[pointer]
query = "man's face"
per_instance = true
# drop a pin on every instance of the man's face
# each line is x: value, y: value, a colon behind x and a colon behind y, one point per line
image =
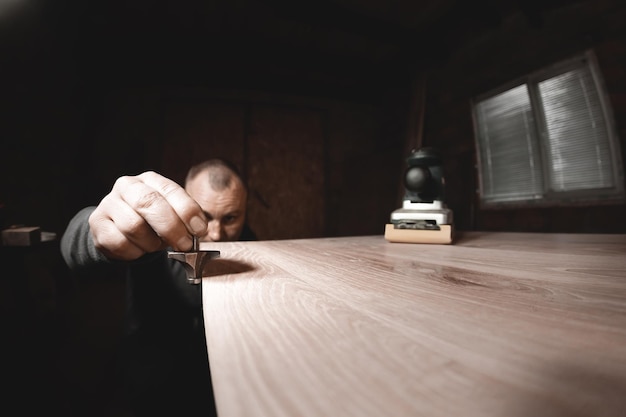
x: 225, y: 210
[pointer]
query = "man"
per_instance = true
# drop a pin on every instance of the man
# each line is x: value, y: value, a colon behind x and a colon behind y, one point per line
x: 166, y: 365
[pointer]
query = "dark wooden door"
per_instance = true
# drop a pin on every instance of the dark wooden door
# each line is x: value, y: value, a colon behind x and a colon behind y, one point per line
x: 286, y: 172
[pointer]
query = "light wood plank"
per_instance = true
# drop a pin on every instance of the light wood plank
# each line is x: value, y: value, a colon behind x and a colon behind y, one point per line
x: 496, y: 324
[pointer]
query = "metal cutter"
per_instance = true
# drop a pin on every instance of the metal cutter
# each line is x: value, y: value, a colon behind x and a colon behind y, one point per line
x: 194, y: 260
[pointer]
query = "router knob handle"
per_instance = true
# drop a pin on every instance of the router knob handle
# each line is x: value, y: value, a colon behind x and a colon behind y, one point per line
x: 416, y: 178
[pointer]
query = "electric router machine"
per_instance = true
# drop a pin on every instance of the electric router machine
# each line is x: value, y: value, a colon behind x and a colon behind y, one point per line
x: 424, y: 217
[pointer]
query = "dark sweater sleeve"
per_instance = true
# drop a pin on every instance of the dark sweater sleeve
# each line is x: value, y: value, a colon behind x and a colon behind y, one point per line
x: 77, y: 246
x: 155, y: 279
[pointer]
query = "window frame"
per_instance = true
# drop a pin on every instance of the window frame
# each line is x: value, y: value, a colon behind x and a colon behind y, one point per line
x: 551, y: 198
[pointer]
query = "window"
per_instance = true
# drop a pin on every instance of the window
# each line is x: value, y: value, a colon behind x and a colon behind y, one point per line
x: 549, y: 139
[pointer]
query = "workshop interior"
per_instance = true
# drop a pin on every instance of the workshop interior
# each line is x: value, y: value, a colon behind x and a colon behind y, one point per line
x: 346, y: 118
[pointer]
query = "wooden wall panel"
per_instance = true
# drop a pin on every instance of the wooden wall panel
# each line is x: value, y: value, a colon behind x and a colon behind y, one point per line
x: 198, y: 130
x: 286, y: 172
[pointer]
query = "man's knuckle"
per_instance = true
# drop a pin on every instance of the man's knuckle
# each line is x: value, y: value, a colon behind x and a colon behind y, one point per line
x: 133, y: 228
x: 106, y: 243
x: 117, y: 248
x: 123, y: 181
x: 147, y: 200
x: 169, y: 189
x: 148, y: 173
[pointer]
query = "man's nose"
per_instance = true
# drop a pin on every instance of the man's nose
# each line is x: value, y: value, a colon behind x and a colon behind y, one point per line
x: 216, y: 233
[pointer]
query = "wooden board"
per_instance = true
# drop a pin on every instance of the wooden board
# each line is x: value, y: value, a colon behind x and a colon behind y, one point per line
x: 498, y: 324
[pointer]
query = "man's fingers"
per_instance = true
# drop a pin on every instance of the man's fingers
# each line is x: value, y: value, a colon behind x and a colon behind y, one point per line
x: 135, y: 228
x: 145, y: 213
x: 185, y: 207
x: 109, y: 240
x: 165, y: 207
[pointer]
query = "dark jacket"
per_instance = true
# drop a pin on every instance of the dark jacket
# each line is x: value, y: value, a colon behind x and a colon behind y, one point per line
x: 165, y: 360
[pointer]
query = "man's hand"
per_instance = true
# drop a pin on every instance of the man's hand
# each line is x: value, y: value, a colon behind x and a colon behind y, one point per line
x: 145, y: 213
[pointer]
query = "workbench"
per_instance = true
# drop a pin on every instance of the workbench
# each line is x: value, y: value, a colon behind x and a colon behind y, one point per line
x: 497, y: 324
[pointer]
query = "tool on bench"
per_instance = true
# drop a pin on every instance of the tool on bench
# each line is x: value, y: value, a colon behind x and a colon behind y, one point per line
x: 424, y: 217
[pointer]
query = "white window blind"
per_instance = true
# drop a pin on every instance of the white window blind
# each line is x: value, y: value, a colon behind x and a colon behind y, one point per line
x: 578, y: 142
x: 548, y: 139
x: 510, y: 150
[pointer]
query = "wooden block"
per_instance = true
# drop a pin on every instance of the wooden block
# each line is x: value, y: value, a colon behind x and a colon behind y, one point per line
x: 21, y: 236
x: 442, y: 236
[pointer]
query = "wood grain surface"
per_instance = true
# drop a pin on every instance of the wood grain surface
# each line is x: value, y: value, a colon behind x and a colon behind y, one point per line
x: 498, y: 324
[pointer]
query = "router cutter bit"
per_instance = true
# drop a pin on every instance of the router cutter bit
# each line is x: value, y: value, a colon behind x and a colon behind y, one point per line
x: 194, y: 260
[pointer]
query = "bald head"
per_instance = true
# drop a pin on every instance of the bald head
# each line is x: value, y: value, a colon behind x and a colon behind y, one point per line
x: 219, y: 173
x: 219, y: 190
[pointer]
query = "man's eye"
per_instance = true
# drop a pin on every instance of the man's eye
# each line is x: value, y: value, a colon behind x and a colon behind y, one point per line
x: 228, y: 219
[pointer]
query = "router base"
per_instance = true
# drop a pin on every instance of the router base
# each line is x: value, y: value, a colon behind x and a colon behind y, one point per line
x: 443, y: 236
